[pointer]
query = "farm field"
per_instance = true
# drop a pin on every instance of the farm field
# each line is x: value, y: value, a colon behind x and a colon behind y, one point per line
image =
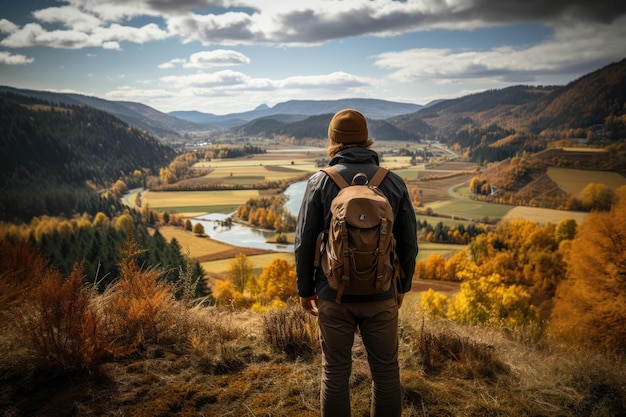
x: 186, y: 202
x: 575, y: 180
x: 543, y: 215
x: 471, y: 209
x: 426, y: 249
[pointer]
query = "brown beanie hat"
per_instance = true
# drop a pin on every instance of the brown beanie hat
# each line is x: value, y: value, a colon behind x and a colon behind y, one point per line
x: 348, y: 126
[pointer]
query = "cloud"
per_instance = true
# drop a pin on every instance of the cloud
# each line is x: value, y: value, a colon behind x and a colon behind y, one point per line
x: 209, y: 59
x: 143, y: 34
x: 230, y: 28
x: 572, y: 49
x: 219, y: 78
x: 69, y: 17
x: 228, y: 79
x: 336, y: 81
x: 172, y: 63
x: 7, y: 58
x: 135, y: 94
x: 294, y: 23
x: 216, y: 58
x: 33, y: 34
x: 285, y: 22
x: 7, y: 26
x: 116, y: 10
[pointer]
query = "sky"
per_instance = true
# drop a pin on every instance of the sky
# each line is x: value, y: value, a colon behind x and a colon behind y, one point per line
x: 230, y: 56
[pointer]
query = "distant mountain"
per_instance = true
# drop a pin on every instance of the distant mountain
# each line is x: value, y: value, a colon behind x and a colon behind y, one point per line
x: 139, y: 115
x: 316, y: 127
x: 371, y: 108
x: 581, y: 104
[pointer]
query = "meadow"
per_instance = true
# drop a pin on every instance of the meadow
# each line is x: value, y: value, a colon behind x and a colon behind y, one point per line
x: 574, y: 181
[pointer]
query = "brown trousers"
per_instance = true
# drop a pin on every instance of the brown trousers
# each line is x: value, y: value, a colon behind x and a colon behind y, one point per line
x: 378, y: 324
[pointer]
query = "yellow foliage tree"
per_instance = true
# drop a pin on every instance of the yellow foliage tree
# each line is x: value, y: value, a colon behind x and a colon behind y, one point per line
x: 277, y: 281
x: 240, y: 272
x: 596, y: 197
x: 434, y: 304
x: 589, y: 304
x: 487, y: 300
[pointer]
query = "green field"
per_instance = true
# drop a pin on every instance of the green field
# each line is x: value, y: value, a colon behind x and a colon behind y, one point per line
x: 445, y: 250
x: 446, y: 221
x: 471, y: 209
x: 574, y: 181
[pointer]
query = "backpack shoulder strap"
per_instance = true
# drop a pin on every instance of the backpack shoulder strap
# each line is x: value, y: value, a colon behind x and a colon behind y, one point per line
x: 336, y: 177
x: 379, y: 176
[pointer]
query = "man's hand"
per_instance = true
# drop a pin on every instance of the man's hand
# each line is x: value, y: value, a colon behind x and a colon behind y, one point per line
x: 309, y: 304
x: 399, y: 298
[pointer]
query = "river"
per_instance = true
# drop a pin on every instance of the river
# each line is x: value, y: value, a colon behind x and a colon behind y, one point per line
x: 252, y: 237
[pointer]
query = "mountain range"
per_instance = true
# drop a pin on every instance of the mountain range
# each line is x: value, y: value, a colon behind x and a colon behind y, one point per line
x: 592, y: 100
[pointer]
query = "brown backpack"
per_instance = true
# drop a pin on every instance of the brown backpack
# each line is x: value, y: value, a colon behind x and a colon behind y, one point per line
x: 357, y: 253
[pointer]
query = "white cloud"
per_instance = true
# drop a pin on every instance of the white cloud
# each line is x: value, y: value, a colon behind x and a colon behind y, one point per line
x: 70, y: 17
x: 7, y: 58
x: 228, y: 79
x: 216, y: 58
x: 172, y: 63
x: 135, y: 94
x: 143, y: 34
x: 33, y: 34
x: 227, y: 29
x: 335, y: 80
x: 7, y: 26
x: 574, y: 48
x: 219, y: 78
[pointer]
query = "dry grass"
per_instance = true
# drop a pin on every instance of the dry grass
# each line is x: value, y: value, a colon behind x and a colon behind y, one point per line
x: 173, y: 360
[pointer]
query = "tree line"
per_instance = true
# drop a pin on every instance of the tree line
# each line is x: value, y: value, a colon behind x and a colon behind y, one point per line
x: 96, y: 241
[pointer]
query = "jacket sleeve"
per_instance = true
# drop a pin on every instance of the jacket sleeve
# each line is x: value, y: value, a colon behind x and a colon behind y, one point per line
x: 405, y: 232
x: 310, y: 224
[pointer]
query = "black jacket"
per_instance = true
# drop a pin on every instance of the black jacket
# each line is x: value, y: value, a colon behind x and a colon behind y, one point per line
x: 314, y: 217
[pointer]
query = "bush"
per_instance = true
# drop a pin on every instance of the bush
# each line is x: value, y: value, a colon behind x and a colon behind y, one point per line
x: 443, y: 352
x: 62, y: 326
x: 292, y: 332
x: 138, y: 307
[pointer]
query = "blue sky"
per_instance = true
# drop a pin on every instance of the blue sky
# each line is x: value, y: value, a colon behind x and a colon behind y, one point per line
x: 228, y: 56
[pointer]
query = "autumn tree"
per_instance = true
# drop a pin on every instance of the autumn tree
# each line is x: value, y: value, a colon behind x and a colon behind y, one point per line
x: 596, y: 197
x: 278, y: 281
x: 589, y: 303
x: 198, y: 229
x: 565, y: 230
x: 240, y: 272
x: 482, y: 300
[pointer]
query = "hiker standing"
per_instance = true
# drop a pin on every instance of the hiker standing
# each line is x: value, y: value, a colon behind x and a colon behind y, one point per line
x: 374, y: 315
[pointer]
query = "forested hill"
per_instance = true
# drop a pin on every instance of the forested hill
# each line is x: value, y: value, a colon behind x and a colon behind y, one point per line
x: 596, y: 100
x: 317, y: 127
x: 46, y: 149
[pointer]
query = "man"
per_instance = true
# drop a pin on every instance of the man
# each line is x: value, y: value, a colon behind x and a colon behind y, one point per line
x: 375, y: 316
